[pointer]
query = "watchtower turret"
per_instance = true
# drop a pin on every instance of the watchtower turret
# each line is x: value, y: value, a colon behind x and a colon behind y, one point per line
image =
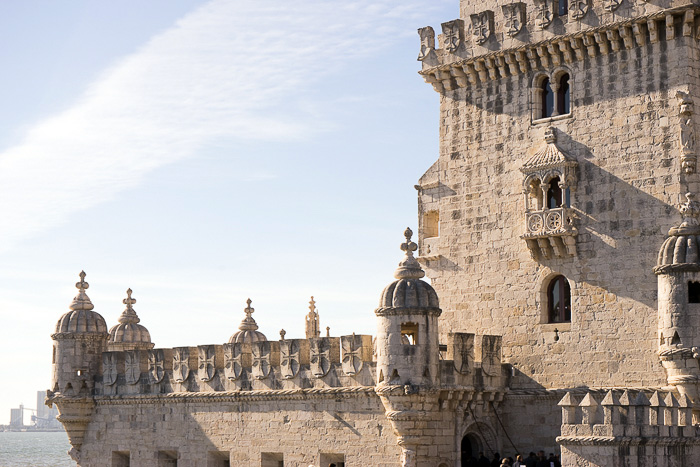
x: 407, y: 326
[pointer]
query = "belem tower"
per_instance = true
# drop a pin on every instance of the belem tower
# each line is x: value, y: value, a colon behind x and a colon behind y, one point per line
x: 560, y: 232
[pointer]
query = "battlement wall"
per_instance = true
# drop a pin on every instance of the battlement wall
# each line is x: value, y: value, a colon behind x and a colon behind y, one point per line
x: 317, y: 363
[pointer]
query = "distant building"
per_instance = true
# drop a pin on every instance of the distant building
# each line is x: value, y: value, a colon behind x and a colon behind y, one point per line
x: 17, y: 416
x: 45, y: 418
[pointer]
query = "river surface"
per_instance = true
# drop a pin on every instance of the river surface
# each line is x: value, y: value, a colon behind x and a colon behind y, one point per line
x: 34, y: 449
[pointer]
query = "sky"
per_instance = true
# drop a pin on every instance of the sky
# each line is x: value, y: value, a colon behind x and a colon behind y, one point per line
x: 202, y: 153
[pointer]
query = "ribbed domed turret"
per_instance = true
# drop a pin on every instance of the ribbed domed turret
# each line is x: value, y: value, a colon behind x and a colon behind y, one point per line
x: 248, y: 329
x: 129, y: 334
x: 681, y: 250
x: 409, y: 291
x: 81, y: 318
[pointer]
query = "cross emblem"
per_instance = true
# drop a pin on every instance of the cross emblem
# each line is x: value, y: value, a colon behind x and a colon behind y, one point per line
x: 82, y: 285
x: 128, y: 301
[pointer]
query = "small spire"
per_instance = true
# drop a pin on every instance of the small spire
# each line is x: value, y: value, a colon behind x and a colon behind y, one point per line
x: 690, y: 210
x: 248, y: 323
x: 409, y: 268
x: 282, y: 334
x: 81, y: 301
x: 328, y: 331
x: 312, y: 322
x: 129, y: 316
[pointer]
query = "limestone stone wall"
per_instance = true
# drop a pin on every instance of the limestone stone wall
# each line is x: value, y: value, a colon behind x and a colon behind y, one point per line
x: 623, y: 132
x: 198, y: 433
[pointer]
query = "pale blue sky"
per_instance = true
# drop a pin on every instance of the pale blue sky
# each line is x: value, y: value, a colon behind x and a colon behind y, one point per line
x: 202, y: 153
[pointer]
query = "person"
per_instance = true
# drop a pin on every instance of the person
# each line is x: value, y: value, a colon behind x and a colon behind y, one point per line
x: 531, y: 460
x: 496, y: 461
x: 505, y: 462
x: 553, y: 460
x: 541, y: 460
x: 483, y: 461
x: 519, y: 462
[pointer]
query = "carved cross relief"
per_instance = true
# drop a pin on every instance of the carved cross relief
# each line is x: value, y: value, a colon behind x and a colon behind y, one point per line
x: 207, y: 362
x: 156, y: 365
x: 578, y: 9
x: 289, y: 358
x: 181, y: 364
x: 261, y: 360
x: 233, y: 365
x: 611, y: 5
x: 453, y: 33
x: 132, y: 366
x: 514, y: 14
x: 464, y: 353
x: 544, y: 14
x: 352, y: 354
x: 109, y: 368
x: 320, y: 352
x: 482, y: 25
x: 491, y: 355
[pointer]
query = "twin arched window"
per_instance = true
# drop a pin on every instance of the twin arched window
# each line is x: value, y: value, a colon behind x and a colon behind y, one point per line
x: 554, y: 96
x: 559, y: 300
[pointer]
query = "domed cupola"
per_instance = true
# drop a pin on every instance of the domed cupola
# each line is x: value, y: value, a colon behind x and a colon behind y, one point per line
x: 407, y: 326
x: 248, y: 329
x: 129, y: 334
x: 81, y: 319
x: 681, y: 250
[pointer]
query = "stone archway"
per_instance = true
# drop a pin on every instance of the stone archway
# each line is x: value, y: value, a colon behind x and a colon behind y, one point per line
x: 470, y: 447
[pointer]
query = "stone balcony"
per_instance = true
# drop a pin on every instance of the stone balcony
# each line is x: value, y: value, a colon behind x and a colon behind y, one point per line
x: 550, y: 233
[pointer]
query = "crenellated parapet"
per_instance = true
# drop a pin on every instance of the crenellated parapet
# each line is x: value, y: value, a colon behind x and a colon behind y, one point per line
x: 518, y: 38
x: 623, y: 426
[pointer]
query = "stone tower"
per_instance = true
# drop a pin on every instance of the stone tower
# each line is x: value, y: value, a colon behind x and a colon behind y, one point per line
x: 79, y: 340
x: 129, y: 334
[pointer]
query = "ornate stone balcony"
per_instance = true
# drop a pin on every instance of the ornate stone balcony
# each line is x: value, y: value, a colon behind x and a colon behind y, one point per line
x: 550, y: 233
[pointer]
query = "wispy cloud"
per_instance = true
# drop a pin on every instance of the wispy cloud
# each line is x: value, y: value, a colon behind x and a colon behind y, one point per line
x: 237, y: 69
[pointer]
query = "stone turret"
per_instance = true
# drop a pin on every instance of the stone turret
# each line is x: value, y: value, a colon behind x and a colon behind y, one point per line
x: 79, y: 340
x: 678, y: 271
x: 129, y: 334
x: 248, y: 329
x: 407, y: 355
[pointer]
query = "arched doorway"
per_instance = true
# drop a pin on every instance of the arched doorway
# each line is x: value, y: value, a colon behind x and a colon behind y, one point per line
x: 470, y: 448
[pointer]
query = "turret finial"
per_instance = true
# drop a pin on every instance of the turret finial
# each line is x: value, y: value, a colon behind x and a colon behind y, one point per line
x: 248, y: 323
x: 81, y: 301
x: 129, y: 316
x: 409, y: 268
x: 312, y: 322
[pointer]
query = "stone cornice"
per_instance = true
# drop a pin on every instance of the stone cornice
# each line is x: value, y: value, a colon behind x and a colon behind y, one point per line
x: 237, y: 396
x: 560, y: 50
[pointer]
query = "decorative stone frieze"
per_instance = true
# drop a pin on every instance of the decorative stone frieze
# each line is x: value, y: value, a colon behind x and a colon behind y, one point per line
x: 514, y: 15
x: 132, y: 366
x: 491, y: 355
x: 320, y: 356
x: 611, y: 5
x: 544, y: 15
x: 578, y: 9
x: 109, y: 368
x: 156, y: 365
x: 181, y: 364
x: 233, y: 360
x: 482, y: 26
x: 290, y: 358
x: 262, y: 363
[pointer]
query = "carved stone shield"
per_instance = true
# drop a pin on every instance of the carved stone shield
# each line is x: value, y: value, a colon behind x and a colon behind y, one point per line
x: 109, y: 368
x: 320, y: 353
x: 463, y: 353
x: 453, y: 33
x: 132, y: 366
x: 578, y: 8
x: 544, y: 15
x: 181, y: 364
x: 482, y: 25
x: 261, y: 360
x: 207, y: 361
x: 351, y: 358
x: 427, y: 42
x: 156, y: 365
x: 491, y: 355
x: 611, y: 5
x: 514, y: 14
x: 289, y: 358
x: 233, y: 366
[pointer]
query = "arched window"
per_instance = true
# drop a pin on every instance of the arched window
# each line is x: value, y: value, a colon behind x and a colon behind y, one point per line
x: 554, y: 198
x: 559, y: 300
x: 547, y: 96
x: 563, y: 95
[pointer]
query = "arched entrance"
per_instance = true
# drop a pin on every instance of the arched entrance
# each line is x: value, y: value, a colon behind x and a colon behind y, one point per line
x: 470, y: 448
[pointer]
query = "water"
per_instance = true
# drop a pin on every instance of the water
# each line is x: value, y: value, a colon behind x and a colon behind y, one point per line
x: 34, y: 449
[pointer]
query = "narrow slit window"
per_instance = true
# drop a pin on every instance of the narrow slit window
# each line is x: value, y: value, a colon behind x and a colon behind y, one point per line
x: 563, y: 95
x: 409, y: 333
x: 547, y: 98
x: 559, y: 300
